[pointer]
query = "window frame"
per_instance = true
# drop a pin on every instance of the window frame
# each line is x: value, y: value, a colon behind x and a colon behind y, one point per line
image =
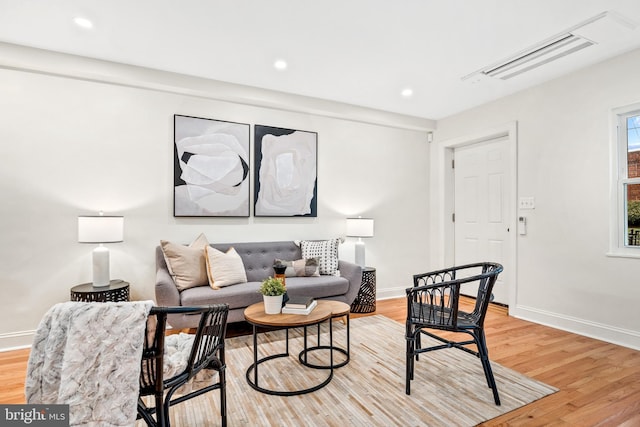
x: 618, y: 245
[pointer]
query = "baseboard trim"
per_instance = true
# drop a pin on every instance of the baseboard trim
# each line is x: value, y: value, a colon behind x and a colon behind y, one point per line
x: 16, y: 340
x: 391, y: 293
x: 612, y: 334
x: 600, y: 331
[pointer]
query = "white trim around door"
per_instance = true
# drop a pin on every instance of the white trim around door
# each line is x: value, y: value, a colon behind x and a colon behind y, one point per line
x: 442, y: 198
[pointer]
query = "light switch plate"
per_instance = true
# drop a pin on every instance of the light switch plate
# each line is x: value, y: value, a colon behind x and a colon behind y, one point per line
x: 527, y: 203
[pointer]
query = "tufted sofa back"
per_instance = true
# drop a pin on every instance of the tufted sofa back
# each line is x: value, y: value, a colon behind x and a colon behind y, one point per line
x: 258, y: 257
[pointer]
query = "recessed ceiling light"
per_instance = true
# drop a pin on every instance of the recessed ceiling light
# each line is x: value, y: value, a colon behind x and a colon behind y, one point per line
x: 280, y: 64
x: 83, y: 22
x: 407, y: 93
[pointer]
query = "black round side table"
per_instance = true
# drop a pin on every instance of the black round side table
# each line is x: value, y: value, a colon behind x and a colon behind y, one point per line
x: 365, y: 302
x: 118, y: 290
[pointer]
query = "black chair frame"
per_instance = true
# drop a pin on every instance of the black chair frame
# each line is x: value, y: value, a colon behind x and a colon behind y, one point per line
x: 207, y: 353
x: 432, y: 303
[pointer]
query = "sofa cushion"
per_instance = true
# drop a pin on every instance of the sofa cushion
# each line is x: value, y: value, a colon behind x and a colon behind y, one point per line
x: 325, y: 250
x: 317, y: 287
x: 305, y: 267
x: 224, y: 269
x: 237, y: 296
x: 186, y: 264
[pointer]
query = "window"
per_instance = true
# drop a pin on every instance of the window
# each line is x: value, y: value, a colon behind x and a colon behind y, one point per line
x: 633, y: 180
x: 625, y: 233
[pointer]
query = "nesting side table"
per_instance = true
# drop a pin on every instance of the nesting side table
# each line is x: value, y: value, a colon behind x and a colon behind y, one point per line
x: 117, y: 291
x: 365, y: 302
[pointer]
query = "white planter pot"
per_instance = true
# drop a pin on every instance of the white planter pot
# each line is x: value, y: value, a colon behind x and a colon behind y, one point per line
x: 272, y: 305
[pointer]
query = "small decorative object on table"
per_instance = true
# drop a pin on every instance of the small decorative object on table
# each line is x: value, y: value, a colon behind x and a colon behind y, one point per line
x: 299, y: 302
x: 299, y: 305
x: 280, y: 270
x: 279, y: 273
x: 272, y: 291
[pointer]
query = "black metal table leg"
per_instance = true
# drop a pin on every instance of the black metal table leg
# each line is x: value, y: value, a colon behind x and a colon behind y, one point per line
x: 256, y: 363
x: 347, y: 352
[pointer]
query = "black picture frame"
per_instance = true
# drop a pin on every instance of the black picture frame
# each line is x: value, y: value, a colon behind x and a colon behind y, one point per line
x: 286, y: 172
x: 211, y: 168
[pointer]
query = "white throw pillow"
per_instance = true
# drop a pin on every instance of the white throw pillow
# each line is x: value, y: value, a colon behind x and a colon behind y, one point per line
x: 186, y: 264
x: 224, y: 269
x: 326, y: 251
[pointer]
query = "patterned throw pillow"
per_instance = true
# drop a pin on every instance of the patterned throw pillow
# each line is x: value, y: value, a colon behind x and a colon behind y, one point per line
x: 326, y: 251
x: 301, y: 268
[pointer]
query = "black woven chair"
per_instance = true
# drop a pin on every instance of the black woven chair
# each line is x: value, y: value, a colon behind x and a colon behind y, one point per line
x: 207, y: 352
x: 432, y: 303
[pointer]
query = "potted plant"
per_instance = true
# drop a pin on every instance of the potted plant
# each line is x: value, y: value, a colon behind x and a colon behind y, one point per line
x: 272, y: 290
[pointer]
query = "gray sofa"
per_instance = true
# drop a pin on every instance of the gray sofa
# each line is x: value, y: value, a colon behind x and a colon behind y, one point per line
x: 258, y: 259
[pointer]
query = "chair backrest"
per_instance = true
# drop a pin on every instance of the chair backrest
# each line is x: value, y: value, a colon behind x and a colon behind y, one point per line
x: 487, y: 279
x: 447, y: 294
x: 209, y: 338
x: 208, y: 341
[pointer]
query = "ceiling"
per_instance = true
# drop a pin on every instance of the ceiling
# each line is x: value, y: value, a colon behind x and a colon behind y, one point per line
x: 361, y: 52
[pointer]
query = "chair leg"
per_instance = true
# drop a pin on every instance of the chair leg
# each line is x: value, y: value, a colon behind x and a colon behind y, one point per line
x: 486, y: 364
x: 223, y: 396
x: 167, y: 406
x: 484, y: 357
x: 410, y: 362
x: 161, y: 420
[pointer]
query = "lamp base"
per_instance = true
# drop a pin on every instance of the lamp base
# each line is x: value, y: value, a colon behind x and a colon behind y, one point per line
x: 360, y: 253
x: 101, y: 267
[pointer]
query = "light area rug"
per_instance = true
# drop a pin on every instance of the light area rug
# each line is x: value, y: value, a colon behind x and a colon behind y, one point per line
x: 449, y: 388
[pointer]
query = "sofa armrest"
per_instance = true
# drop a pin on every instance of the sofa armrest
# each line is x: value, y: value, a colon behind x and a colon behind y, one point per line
x: 353, y: 273
x: 167, y: 294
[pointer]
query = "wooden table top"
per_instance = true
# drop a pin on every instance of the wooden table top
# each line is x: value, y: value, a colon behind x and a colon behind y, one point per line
x: 255, y: 315
x: 337, y: 308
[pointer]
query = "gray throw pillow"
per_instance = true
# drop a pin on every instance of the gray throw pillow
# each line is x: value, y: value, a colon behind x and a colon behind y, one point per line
x: 305, y: 267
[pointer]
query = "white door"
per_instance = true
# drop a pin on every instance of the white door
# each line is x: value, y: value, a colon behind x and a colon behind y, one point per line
x: 481, y: 225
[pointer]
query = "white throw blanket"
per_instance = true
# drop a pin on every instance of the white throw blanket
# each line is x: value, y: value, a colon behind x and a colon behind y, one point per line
x: 88, y: 355
x: 177, y: 350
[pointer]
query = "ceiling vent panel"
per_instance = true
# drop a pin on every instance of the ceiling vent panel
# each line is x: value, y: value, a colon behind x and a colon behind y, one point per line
x: 602, y: 28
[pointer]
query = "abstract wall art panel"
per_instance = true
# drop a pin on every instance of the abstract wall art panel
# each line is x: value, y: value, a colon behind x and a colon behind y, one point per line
x: 211, y: 168
x: 285, y: 172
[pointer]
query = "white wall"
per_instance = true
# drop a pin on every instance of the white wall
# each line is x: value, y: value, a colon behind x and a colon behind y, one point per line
x: 73, y: 145
x: 564, y: 277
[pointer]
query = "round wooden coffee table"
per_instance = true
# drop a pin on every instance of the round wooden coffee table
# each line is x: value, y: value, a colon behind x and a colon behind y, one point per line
x: 255, y: 315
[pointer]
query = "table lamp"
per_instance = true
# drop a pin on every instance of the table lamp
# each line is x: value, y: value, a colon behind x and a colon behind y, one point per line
x: 360, y: 227
x: 100, y: 229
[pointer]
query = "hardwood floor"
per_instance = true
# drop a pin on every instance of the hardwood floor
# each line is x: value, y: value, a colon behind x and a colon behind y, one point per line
x: 599, y: 382
x: 13, y: 369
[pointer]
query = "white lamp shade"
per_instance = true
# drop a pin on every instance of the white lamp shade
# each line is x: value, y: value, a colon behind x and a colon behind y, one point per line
x: 100, y: 229
x: 360, y: 227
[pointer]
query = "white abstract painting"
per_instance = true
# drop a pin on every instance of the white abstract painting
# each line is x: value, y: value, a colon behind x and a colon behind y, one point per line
x: 211, y: 167
x: 286, y: 172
